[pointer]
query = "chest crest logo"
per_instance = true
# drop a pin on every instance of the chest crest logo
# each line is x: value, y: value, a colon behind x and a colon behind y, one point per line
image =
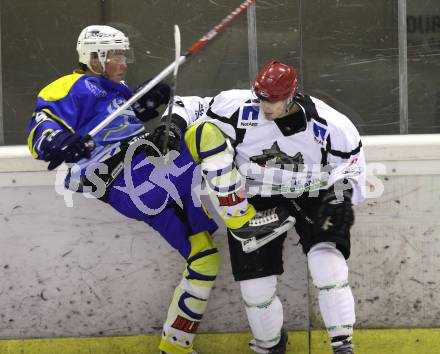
x: 274, y: 157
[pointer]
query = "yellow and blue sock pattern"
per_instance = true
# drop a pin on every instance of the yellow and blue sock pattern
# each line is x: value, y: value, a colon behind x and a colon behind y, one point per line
x: 191, y: 295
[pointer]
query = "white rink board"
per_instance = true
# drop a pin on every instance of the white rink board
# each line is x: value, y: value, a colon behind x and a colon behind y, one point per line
x: 86, y: 270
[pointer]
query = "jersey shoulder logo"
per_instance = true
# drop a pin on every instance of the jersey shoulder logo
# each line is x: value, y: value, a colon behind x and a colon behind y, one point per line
x: 248, y: 116
x: 199, y: 111
x: 320, y: 132
x: 40, y: 116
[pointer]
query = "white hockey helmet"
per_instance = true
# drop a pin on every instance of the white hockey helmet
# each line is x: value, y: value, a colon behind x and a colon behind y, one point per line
x: 101, y: 39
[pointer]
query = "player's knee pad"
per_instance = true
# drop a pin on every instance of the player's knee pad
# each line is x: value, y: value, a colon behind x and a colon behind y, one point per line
x: 327, y: 264
x: 259, y: 290
x: 203, y: 265
x: 329, y: 273
x: 204, y: 139
x: 263, y: 308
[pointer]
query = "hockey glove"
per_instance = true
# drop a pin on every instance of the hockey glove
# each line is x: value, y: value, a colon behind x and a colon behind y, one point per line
x: 335, y: 214
x: 63, y: 146
x: 157, y: 136
x: 145, y: 107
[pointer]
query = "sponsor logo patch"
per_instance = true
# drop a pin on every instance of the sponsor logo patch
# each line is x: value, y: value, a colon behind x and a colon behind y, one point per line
x: 231, y: 199
x: 185, y: 325
x: 248, y: 116
x: 95, y: 89
x: 98, y: 34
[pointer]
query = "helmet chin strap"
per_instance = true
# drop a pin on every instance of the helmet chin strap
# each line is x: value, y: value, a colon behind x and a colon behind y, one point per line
x: 95, y: 72
x: 289, y: 104
x: 102, y: 73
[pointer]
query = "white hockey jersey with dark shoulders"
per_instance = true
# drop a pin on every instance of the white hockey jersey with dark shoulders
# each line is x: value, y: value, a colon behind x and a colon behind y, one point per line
x: 292, y: 155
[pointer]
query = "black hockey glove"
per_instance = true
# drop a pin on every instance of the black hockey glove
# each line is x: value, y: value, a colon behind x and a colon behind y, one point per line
x: 157, y: 136
x: 335, y: 213
x: 63, y: 146
x: 145, y: 107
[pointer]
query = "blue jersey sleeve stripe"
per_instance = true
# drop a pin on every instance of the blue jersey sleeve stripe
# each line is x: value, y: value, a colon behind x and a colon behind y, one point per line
x: 58, y: 119
x: 38, y: 130
x: 35, y: 147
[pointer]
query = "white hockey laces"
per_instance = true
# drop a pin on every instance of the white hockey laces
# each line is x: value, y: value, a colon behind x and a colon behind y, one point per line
x: 264, y: 217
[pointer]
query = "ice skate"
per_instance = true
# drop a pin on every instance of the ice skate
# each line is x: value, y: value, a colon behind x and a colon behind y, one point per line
x: 280, y: 348
x: 343, y: 347
x: 265, y: 226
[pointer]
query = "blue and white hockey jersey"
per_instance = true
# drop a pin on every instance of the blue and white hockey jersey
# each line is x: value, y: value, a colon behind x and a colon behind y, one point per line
x: 79, y: 102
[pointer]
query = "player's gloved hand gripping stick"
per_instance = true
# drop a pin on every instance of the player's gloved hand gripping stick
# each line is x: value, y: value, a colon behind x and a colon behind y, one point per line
x: 164, y: 73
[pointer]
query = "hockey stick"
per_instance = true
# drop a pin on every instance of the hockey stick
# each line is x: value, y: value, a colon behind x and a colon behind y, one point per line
x: 173, y: 87
x: 165, y: 72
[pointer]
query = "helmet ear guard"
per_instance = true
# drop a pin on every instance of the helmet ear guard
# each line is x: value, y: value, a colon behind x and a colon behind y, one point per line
x: 276, y: 82
x: 98, y: 41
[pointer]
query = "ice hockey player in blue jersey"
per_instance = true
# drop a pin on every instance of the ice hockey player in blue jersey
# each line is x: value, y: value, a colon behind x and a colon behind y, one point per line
x: 295, y: 152
x: 68, y: 108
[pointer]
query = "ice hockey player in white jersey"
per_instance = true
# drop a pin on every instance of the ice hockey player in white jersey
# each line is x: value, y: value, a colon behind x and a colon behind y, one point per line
x: 298, y: 154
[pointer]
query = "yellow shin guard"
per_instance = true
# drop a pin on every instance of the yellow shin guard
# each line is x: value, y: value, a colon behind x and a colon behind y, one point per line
x: 191, y: 296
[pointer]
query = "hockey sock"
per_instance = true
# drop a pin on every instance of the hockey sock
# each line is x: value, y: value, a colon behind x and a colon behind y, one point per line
x: 329, y: 272
x: 191, y: 296
x: 264, y: 310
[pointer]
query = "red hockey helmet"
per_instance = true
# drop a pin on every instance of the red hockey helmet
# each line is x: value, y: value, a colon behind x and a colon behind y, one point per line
x: 276, y: 82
